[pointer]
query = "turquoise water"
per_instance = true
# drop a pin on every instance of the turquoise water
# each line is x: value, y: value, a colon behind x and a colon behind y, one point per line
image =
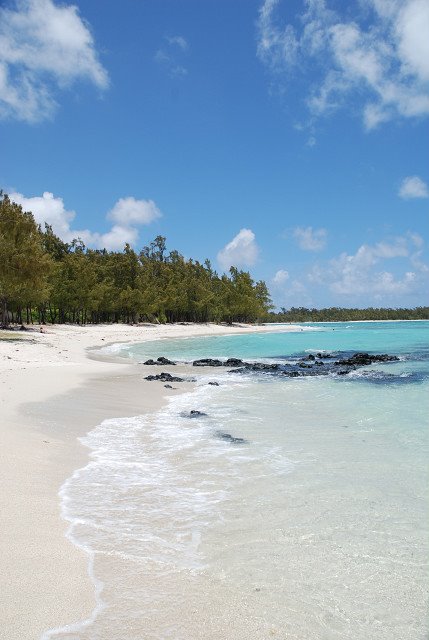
x: 296, y: 508
x: 376, y: 337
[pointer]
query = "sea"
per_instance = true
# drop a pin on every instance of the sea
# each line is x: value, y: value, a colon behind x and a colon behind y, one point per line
x: 296, y: 508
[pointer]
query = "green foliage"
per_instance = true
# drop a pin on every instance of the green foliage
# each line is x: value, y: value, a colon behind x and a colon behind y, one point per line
x: 24, y: 263
x: 70, y: 283
x: 339, y: 314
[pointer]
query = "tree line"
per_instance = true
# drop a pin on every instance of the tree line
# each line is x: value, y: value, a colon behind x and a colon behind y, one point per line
x: 340, y: 314
x: 45, y: 279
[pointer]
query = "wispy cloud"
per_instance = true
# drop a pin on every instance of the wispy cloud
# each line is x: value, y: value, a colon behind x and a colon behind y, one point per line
x: 365, y: 273
x: 413, y: 187
x: 242, y: 251
x: 44, y: 48
x: 310, y: 239
x: 128, y: 214
x: 379, y: 59
x: 170, y: 55
x: 178, y: 41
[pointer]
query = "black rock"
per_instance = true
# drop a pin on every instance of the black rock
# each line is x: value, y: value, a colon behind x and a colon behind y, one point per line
x: 207, y: 362
x: 168, y: 386
x: 233, y: 362
x: 163, y: 360
x: 227, y: 437
x: 304, y: 366
x: 310, y: 357
x: 164, y: 377
x: 214, y: 384
x: 160, y: 360
x: 196, y: 414
x: 262, y: 366
x: 363, y: 359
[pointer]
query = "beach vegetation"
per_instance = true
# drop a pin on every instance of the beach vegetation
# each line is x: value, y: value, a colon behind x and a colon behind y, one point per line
x: 44, y: 279
x: 343, y: 314
x: 24, y: 264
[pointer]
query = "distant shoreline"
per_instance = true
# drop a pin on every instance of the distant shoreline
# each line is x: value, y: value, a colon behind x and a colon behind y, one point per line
x: 343, y: 321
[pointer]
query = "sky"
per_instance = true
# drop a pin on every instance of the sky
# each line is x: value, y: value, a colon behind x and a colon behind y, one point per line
x: 287, y: 137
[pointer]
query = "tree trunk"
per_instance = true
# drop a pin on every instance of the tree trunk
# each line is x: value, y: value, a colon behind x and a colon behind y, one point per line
x: 5, y: 316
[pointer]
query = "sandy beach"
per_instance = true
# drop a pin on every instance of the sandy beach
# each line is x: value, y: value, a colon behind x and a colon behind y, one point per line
x: 54, y: 390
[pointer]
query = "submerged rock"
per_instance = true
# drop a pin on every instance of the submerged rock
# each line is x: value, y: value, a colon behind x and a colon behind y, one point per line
x: 207, y: 362
x: 227, y: 437
x: 363, y: 359
x: 214, y: 384
x: 262, y: 366
x: 194, y: 414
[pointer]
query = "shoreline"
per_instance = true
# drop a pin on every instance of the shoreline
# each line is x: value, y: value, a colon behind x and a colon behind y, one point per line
x: 45, y: 582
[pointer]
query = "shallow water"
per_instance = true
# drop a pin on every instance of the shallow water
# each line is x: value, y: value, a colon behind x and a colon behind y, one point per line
x: 296, y: 508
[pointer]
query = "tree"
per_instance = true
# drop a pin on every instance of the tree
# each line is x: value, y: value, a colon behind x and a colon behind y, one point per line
x: 24, y: 264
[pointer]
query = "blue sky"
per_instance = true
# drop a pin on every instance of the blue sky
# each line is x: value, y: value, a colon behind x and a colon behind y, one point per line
x: 287, y: 137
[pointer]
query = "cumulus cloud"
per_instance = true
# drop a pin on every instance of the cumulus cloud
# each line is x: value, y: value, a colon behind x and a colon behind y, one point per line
x: 242, y: 251
x: 413, y: 187
x: 127, y: 214
x: 310, y: 239
x: 364, y: 274
x: 44, y: 47
x: 128, y: 211
x: 170, y: 55
x: 280, y: 277
x: 379, y: 59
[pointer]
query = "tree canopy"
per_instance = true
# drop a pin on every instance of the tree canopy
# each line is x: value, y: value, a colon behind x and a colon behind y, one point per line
x: 42, y: 276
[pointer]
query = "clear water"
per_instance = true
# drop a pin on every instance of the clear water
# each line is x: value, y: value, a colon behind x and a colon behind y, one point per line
x: 314, y: 526
x: 376, y: 337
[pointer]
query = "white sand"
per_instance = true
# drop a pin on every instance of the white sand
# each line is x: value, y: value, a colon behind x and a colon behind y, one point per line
x: 51, y: 393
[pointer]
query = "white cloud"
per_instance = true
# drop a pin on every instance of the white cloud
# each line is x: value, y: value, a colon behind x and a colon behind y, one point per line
x: 413, y: 187
x: 43, y: 48
x: 128, y: 214
x: 310, y: 239
x: 115, y: 239
x: 379, y: 59
x: 294, y: 293
x: 363, y: 273
x: 242, y: 251
x: 280, y: 277
x: 128, y: 211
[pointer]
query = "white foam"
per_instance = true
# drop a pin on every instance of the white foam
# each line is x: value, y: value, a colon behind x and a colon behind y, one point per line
x: 152, y: 486
x: 115, y: 348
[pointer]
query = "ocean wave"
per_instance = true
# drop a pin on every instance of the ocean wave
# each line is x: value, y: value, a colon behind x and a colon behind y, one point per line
x: 116, y: 348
